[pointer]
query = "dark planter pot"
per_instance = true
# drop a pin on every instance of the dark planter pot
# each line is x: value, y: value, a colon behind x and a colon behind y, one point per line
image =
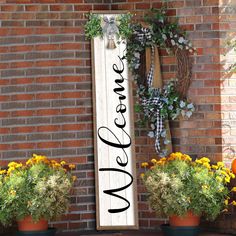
x: 49, y: 232
x: 180, y: 230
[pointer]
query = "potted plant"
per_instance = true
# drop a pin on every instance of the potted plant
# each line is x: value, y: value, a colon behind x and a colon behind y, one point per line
x: 183, y: 189
x: 33, y: 193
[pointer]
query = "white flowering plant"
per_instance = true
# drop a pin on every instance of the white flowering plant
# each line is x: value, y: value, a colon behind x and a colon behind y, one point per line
x: 39, y: 188
x: 176, y: 185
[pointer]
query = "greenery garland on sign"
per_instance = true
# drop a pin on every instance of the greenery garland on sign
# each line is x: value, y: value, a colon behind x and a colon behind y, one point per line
x: 93, y: 27
x: 170, y: 101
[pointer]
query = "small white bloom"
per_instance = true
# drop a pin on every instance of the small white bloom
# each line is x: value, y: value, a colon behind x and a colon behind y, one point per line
x: 164, y: 36
x: 172, y: 42
x: 182, y: 104
x: 188, y: 114
x: 151, y: 134
x: 163, y: 134
x: 170, y: 107
x: 190, y: 106
x: 137, y: 55
x: 166, y: 141
x: 181, y: 40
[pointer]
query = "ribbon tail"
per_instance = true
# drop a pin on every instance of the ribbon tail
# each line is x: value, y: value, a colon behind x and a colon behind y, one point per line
x: 159, y: 128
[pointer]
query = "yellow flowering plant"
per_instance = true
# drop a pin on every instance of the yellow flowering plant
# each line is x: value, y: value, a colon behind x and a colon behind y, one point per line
x: 177, y: 184
x: 40, y: 188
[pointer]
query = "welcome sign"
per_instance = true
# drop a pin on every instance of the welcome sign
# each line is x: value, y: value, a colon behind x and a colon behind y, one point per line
x: 116, y: 205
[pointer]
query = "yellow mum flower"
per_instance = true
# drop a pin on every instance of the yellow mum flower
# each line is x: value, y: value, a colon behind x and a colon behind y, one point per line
x: 144, y: 164
x: 63, y: 163
x: 220, y: 164
x: 205, y: 159
x: 142, y: 175
x: 10, y: 170
x: 233, y: 203
x: 2, y: 172
x: 227, y: 179
x: 233, y: 189
x: 224, y: 173
x: 154, y: 161
x: 198, y: 161
x: 74, y: 178
x: 56, y: 165
x: 226, y: 202
x: 232, y: 175
x: 207, y: 165
x: 12, y: 164
x: 187, y: 157
x: 215, y: 167
x: 72, y: 166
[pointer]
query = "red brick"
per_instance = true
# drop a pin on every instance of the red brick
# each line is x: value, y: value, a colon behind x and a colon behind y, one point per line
x: 48, y: 112
x: 74, y: 143
x: 23, y: 145
x: 52, y: 79
x: 23, y: 129
x: 48, y: 128
x: 23, y: 113
x: 47, y: 96
x: 142, y: 5
x: 47, y: 47
x: 48, y: 145
x: 51, y: 63
x: 21, y: 48
x: 20, y: 97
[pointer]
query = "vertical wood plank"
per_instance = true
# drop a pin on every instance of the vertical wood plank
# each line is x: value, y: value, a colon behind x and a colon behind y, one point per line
x: 113, y: 131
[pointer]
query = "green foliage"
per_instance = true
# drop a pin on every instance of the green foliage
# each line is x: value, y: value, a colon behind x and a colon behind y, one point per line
x: 177, y: 184
x: 125, y: 31
x: 93, y: 26
x: 40, y: 188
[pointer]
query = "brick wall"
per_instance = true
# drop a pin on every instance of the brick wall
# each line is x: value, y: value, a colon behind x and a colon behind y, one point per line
x: 45, y: 89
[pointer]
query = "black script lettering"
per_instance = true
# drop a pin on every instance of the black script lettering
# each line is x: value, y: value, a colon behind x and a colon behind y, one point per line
x: 118, y: 81
x: 121, y: 110
x: 112, y: 192
x: 116, y: 145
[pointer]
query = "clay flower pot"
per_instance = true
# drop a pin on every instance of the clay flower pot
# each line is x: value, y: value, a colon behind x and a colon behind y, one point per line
x: 188, y: 220
x: 27, y: 224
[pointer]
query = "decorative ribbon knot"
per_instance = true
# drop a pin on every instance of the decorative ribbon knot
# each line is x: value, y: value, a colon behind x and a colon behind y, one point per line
x: 110, y: 29
x: 143, y: 35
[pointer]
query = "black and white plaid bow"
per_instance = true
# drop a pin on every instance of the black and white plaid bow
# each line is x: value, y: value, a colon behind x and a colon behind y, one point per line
x: 152, y: 105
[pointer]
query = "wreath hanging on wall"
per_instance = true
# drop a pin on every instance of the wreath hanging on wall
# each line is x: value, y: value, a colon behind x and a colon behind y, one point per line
x: 157, y: 104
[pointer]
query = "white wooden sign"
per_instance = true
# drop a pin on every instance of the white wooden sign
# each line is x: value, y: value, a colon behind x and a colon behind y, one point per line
x: 116, y: 204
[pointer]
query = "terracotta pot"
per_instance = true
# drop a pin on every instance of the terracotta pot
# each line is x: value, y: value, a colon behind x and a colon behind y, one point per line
x: 27, y: 224
x: 188, y: 220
